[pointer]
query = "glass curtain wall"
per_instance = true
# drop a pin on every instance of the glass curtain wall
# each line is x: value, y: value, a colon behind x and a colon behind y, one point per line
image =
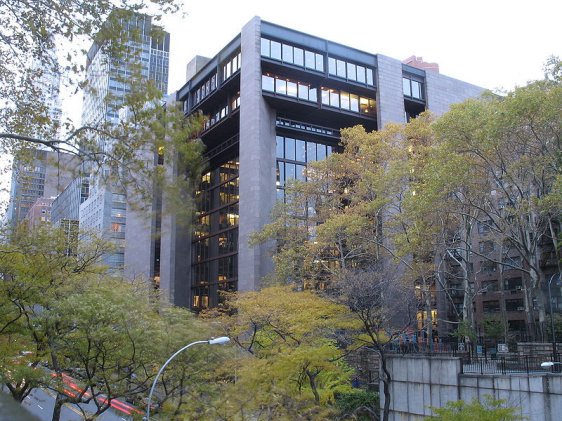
x: 215, y: 245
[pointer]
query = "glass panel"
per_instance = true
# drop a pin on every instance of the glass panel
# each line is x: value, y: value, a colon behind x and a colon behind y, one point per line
x: 320, y: 62
x: 290, y: 171
x: 406, y: 87
x: 287, y: 53
x: 328, y: 150
x: 309, y: 60
x: 416, y: 89
x: 370, y: 77
x: 310, y: 151
x: 332, y: 66
x: 321, y: 152
x: 301, y: 172
x: 280, y: 195
x: 344, y: 100
x: 325, y: 96
x: 291, y: 88
x: 364, y: 105
x: 281, y: 173
x: 301, y: 151
x: 267, y: 83
x: 298, y: 58
x: 279, y: 146
x: 334, y: 98
x: 265, y: 47
x: 275, y: 50
x: 281, y: 86
x: 360, y: 74
x: 351, y: 71
x: 372, y: 105
x: 312, y: 96
x: 289, y: 148
x: 303, y: 91
x: 354, y: 103
x: 340, y: 65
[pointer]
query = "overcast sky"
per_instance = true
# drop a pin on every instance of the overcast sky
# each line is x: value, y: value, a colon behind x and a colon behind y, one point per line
x: 493, y: 43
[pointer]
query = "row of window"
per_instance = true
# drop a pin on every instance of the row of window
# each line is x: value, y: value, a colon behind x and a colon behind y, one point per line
x: 292, y: 55
x: 510, y: 305
x: 287, y: 87
x: 283, y: 122
x: 227, y: 192
x: 350, y: 71
x: 227, y: 268
x: 509, y: 263
x: 299, y: 150
x: 331, y: 97
x: 412, y: 88
x: 232, y: 66
x: 205, y: 89
x: 347, y: 101
x: 222, y: 112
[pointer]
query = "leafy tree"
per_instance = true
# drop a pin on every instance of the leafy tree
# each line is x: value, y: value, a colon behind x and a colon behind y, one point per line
x: 490, y: 410
x: 62, y: 319
x: 290, y: 365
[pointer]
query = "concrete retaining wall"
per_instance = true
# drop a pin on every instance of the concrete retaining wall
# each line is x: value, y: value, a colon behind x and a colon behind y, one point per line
x: 421, y: 382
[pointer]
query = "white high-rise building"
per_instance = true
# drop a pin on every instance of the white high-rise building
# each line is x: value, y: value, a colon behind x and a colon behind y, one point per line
x: 104, y: 212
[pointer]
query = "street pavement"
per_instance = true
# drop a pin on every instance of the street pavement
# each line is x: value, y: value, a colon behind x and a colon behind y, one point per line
x: 41, y: 404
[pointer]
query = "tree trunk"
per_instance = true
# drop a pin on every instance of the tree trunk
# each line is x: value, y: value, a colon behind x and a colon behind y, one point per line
x: 58, y: 407
x: 312, y: 381
x: 386, y: 379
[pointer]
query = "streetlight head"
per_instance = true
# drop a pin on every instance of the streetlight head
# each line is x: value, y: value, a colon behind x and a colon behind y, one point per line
x: 547, y: 364
x: 219, y: 340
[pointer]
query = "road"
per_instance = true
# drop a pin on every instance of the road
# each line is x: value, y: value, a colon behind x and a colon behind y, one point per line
x: 41, y: 403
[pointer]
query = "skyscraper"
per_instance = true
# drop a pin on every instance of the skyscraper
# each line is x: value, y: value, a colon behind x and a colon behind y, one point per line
x: 105, y: 210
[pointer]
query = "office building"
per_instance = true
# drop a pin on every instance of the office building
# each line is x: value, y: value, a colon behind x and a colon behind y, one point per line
x: 43, y: 174
x: 104, y: 211
x: 276, y: 100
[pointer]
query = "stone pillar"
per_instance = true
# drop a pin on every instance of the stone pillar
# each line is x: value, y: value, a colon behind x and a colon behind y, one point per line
x: 390, y: 97
x: 257, y: 161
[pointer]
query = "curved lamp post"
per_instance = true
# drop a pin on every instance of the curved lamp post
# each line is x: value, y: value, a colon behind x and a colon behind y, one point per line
x: 220, y: 340
x: 554, y: 351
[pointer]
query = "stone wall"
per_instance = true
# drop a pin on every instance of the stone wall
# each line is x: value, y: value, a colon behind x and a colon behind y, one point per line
x: 421, y: 382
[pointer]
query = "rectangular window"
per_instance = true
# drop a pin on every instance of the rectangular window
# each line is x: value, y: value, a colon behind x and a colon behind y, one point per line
x: 289, y: 148
x: 351, y: 71
x: 298, y: 58
x: 360, y: 74
x: 325, y: 96
x: 334, y: 98
x: 291, y: 89
x: 309, y: 60
x: 265, y: 47
x: 290, y: 171
x: 280, y: 86
x: 303, y: 91
x: 332, y: 66
x: 416, y: 90
x: 344, y: 96
x: 312, y: 96
x: 280, y: 147
x: 354, y: 103
x: 310, y: 152
x: 320, y: 62
x: 275, y: 51
x: 370, y: 80
x: 268, y: 83
x: 300, y: 151
x: 406, y: 87
x: 287, y: 53
x: 340, y: 68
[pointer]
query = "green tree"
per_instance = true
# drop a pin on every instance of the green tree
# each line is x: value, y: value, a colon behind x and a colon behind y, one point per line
x: 63, y: 320
x: 490, y: 410
x: 289, y: 365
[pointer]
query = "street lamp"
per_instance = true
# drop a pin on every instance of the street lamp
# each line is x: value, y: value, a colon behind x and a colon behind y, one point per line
x: 216, y: 341
x: 554, y: 353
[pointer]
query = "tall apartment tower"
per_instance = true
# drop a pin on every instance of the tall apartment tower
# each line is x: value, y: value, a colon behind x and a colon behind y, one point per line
x: 105, y: 210
x: 44, y: 174
x: 276, y: 100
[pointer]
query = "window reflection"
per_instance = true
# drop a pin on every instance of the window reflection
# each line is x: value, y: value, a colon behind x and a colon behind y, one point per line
x: 292, y: 55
